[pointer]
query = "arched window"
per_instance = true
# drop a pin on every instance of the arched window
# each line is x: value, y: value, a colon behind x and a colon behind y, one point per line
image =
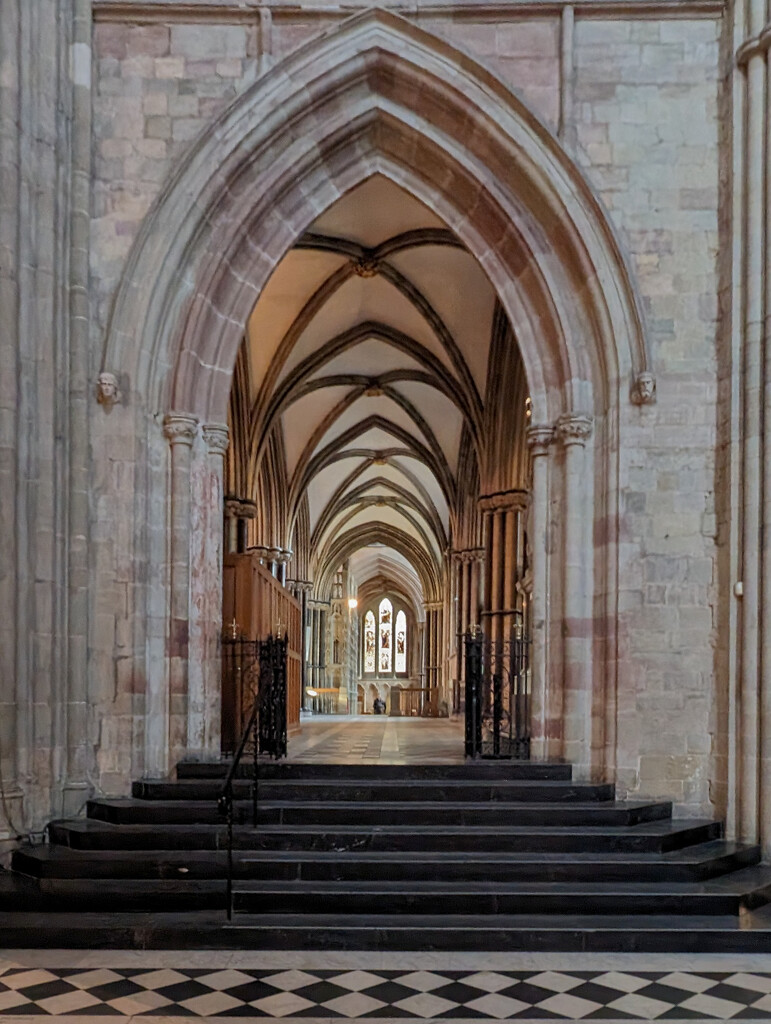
x: 385, y: 640
x: 400, y: 659
x: 386, y: 637
x: 370, y: 642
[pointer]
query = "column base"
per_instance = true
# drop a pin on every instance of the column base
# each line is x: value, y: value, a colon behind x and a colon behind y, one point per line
x: 74, y: 797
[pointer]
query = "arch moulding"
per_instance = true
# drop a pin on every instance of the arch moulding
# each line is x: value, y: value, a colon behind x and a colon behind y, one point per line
x: 375, y: 95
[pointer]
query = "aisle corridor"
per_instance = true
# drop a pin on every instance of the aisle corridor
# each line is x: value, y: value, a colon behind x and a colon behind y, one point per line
x: 370, y: 739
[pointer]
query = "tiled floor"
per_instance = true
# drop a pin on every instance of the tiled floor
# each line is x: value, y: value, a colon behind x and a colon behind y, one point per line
x: 82, y: 987
x: 293, y: 987
x: 375, y: 739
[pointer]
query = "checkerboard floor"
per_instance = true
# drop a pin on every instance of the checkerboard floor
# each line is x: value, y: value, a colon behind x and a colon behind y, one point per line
x: 158, y: 986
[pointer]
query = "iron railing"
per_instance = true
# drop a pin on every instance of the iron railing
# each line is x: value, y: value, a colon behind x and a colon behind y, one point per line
x: 240, y: 680
x: 260, y: 666
x: 498, y: 696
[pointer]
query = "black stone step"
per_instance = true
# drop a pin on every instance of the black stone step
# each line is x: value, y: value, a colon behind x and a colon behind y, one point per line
x: 490, y: 856
x: 404, y: 898
x: 373, y: 898
x: 52, y: 861
x: 364, y: 790
x: 116, y: 895
x: 527, y: 932
x: 103, y: 930
x: 692, y: 864
x: 433, y: 812
x: 217, y: 770
x: 132, y: 851
x: 651, y: 837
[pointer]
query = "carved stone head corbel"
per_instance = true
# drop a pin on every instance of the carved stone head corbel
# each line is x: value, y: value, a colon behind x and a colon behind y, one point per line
x: 644, y: 388
x: 108, y: 392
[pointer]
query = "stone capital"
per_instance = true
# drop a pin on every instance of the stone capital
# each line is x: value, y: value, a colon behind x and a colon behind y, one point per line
x: 574, y: 428
x: 300, y: 586
x: 238, y: 508
x: 180, y: 428
x: 539, y: 437
x: 469, y: 555
x: 504, y: 501
x: 216, y: 437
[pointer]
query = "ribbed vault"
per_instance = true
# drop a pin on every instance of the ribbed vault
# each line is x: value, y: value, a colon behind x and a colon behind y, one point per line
x: 363, y: 396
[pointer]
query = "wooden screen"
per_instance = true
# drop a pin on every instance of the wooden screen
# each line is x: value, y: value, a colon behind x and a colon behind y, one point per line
x: 259, y: 604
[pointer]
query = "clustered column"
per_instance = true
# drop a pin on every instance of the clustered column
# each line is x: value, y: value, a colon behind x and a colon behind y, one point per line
x: 203, y: 683
x: 574, y: 430
x: 317, y: 660
x: 216, y: 437
x: 504, y: 560
x: 180, y: 430
x: 300, y: 590
x: 238, y: 512
x: 434, y: 644
x: 543, y: 726
x: 468, y: 564
x: 275, y: 559
x: 752, y: 783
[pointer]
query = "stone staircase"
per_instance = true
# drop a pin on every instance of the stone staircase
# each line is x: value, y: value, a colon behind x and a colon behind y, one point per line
x: 489, y: 855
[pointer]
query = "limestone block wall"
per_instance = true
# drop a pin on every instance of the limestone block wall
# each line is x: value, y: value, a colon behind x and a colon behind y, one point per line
x: 635, y: 97
x: 156, y: 86
x: 646, y: 99
x: 636, y: 100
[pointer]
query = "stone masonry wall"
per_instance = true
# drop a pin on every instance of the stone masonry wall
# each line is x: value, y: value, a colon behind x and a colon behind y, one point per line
x: 644, y: 106
x: 646, y: 127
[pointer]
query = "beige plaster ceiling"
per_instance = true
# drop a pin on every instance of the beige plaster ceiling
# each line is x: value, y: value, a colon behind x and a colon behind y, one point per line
x: 368, y: 350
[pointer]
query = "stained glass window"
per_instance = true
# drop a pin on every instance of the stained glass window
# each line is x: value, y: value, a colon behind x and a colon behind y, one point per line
x: 369, y: 642
x: 386, y: 633
x: 401, y: 642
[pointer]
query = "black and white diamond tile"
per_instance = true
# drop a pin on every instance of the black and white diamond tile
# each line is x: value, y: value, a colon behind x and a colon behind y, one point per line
x: 378, y: 994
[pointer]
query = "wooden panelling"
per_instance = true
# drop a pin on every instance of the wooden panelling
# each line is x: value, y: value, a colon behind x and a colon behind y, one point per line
x: 260, y: 605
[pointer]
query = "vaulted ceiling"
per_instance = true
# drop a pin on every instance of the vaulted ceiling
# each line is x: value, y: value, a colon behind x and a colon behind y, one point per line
x: 367, y: 371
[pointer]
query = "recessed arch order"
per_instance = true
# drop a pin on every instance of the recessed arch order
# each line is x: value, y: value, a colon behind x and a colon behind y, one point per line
x: 376, y: 95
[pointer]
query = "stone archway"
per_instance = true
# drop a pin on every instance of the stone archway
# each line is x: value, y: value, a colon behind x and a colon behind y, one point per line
x: 377, y: 95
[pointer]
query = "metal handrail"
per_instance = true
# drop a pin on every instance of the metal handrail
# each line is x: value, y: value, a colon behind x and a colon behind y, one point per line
x: 225, y: 801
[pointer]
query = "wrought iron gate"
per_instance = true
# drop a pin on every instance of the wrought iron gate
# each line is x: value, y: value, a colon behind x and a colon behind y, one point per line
x: 255, y: 672
x: 498, y: 696
x: 272, y: 696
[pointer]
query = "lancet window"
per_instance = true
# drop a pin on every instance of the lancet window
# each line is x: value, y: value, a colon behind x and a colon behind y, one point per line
x: 385, y: 640
x: 370, y: 643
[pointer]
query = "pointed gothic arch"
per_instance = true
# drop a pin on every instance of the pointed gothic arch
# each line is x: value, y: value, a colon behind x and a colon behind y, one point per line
x: 434, y: 121
x: 376, y: 95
